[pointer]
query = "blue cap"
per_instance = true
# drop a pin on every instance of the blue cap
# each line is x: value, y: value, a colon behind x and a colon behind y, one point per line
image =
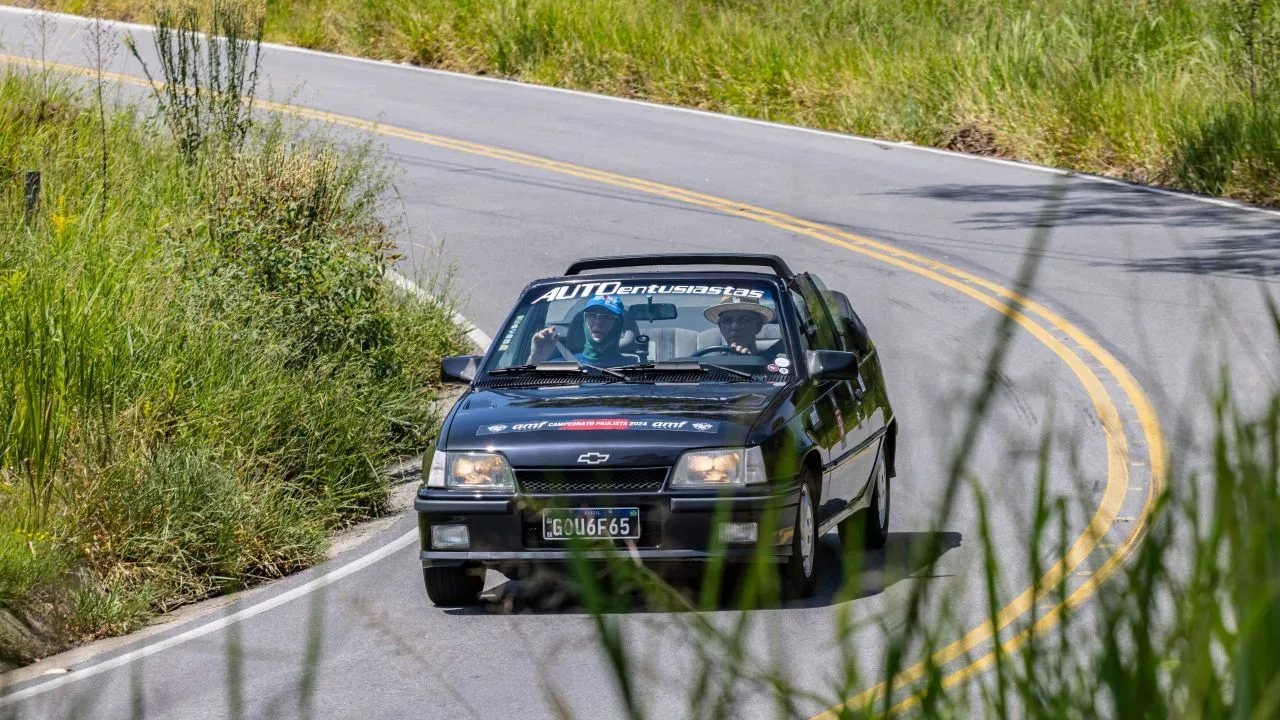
x: 608, y: 302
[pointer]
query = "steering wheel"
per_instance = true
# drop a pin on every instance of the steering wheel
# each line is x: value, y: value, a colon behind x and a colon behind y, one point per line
x: 713, y: 348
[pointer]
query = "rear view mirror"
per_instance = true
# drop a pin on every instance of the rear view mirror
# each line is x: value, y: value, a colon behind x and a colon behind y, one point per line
x: 460, y: 368
x: 652, y: 312
x: 831, y: 364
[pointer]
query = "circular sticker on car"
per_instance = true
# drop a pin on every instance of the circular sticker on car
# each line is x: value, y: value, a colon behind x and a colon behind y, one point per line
x: 783, y: 371
x: 783, y: 362
x: 771, y: 367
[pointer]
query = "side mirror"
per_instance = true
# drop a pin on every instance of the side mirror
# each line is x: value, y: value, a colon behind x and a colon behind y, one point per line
x: 459, y: 368
x: 831, y: 364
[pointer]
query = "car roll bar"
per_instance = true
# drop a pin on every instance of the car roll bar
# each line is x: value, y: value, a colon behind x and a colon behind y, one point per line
x: 622, y: 261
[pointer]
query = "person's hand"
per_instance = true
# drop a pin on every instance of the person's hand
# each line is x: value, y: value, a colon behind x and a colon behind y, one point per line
x: 544, y: 344
x: 741, y: 350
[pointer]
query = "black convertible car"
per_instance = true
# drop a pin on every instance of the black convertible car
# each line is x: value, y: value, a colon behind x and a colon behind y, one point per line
x: 661, y: 415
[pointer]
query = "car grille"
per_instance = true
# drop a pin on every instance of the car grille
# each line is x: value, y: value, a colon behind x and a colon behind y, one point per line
x: 573, y: 481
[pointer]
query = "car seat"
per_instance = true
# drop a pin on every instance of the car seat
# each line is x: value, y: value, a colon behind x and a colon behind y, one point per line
x: 670, y: 342
x: 712, y: 337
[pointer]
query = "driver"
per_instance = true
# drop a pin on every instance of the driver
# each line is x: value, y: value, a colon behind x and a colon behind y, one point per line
x: 740, y: 320
x: 602, y: 320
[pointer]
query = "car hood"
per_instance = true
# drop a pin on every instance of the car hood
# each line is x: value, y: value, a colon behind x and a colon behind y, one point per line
x: 633, y: 425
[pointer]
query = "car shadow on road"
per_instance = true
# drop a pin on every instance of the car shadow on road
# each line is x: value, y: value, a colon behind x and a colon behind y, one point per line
x: 905, y: 555
x: 1227, y: 241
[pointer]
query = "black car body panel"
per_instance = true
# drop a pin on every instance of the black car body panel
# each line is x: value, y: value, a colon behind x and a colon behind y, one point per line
x: 533, y: 427
x: 607, y: 442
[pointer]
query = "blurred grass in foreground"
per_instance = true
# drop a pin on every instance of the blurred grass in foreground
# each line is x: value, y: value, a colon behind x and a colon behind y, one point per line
x: 1186, y: 628
x: 1182, y: 93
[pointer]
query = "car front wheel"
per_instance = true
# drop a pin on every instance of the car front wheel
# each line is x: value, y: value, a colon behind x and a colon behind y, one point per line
x: 453, y: 586
x: 800, y: 575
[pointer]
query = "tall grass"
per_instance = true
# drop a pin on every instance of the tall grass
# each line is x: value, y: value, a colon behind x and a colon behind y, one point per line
x: 209, y: 64
x: 1177, y: 92
x: 200, y: 373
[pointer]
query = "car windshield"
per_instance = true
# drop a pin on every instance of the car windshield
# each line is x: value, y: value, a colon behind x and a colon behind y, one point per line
x: 722, y: 324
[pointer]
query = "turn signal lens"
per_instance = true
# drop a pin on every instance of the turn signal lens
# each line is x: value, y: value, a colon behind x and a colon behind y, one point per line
x: 754, y: 469
x: 435, y: 475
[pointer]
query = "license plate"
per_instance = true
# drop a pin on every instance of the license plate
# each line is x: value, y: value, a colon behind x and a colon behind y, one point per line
x: 592, y: 523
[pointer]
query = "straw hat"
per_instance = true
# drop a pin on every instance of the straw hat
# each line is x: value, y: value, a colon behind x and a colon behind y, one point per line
x: 730, y: 303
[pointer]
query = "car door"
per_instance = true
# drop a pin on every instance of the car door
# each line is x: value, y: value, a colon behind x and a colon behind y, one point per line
x: 864, y: 420
x: 853, y: 465
x: 834, y: 403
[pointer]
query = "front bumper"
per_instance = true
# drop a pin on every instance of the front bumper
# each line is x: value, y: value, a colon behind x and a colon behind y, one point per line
x: 675, y: 526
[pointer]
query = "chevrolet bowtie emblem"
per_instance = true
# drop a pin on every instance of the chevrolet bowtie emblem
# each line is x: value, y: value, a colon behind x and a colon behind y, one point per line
x: 592, y: 458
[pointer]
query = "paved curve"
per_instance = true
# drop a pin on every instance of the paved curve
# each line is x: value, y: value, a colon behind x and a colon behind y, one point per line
x: 1168, y: 285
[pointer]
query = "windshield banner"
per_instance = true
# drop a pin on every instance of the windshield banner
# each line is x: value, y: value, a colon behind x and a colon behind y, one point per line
x: 613, y: 287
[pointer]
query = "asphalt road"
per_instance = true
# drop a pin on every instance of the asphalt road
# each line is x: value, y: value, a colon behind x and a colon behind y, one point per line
x: 1143, y: 295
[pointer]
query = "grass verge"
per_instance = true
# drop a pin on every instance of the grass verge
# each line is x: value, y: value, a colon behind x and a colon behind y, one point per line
x: 1180, y: 93
x: 201, y: 366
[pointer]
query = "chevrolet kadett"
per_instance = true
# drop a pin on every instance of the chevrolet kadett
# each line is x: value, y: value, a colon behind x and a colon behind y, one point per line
x: 665, y: 415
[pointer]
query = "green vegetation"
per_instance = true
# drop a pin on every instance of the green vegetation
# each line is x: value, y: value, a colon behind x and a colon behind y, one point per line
x: 201, y: 367
x: 1183, y: 93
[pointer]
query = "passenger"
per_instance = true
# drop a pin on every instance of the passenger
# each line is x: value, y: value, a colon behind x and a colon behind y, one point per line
x: 740, y: 321
x: 602, y: 323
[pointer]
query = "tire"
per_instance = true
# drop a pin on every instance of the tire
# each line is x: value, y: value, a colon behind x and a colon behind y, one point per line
x: 454, y: 585
x: 870, y: 526
x: 800, y: 574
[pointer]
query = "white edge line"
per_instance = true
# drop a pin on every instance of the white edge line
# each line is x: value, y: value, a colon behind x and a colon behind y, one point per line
x: 1232, y: 204
x: 475, y: 334
x: 482, y: 341
x: 151, y: 649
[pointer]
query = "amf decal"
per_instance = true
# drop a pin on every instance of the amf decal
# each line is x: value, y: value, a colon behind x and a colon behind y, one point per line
x: 591, y: 424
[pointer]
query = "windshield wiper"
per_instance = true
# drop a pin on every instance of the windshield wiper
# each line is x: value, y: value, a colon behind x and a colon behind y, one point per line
x: 556, y: 366
x: 606, y: 371
x: 732, y: 371
x: 685, y: 366
x: 516, y: 370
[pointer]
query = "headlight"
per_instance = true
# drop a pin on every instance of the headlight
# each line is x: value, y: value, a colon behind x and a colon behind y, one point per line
x: 710, y: 468
x: 479, y: 471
